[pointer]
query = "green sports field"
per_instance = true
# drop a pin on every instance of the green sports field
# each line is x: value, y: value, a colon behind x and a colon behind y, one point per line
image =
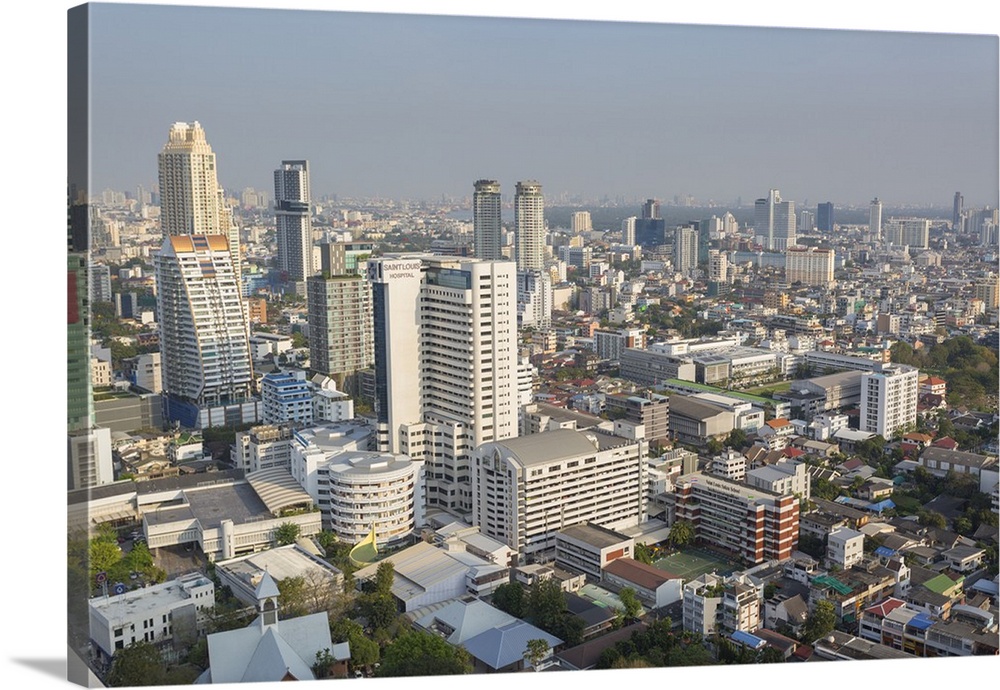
x: 689, y: 563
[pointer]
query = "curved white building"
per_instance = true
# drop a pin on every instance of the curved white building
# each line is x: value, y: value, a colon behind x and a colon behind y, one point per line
x: 367, y: 488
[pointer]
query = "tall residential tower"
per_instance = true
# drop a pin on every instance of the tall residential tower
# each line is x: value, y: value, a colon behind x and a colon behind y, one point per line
x: 529, y: 218
x: 293, y: 220
x: 486, y: 228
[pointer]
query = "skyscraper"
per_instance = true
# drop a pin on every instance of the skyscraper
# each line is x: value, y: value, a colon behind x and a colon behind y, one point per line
x: 875, y: 219
x: 651, y: 209
x: 340, y: 325
x: 191, y: 200
x: 956, y: 214
x: 824, y: 217
x: 529, y: 219
x: 203, y: 334
x: 486, y: 226
x: 685, y: 250
x: 581, y: 222
x: 628, y: 231
x: 293, y: 220
x: 774, y: 222
x: 445, y: 364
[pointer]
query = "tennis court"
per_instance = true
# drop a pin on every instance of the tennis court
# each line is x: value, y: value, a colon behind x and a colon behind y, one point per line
x: 692, y: 562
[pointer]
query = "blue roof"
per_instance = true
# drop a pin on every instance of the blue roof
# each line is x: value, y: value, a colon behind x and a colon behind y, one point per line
x: 885, y: 552
x: 747, y: 639
x: 882, y: 505
x: 921, y: 621
x: 500, y: 647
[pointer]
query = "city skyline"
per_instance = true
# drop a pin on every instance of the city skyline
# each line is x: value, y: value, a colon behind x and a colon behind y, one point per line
x: 587, y: 108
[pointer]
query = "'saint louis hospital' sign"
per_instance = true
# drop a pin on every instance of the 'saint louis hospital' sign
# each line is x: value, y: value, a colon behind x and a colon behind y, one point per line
x: 393, y: 270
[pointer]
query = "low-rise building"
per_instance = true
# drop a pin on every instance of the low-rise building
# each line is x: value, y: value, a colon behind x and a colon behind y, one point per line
x: 171, y: 616
x: 589, y: 548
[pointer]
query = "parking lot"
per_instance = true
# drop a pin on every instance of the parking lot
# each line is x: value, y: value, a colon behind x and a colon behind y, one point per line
x: 178, y: 560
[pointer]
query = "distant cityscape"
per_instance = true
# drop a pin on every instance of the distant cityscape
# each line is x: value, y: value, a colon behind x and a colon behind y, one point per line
x: 340, y: 437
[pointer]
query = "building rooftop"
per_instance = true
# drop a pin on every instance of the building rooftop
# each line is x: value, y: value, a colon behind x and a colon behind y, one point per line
x: 152, y: 598
x: 595, y: 535
x: 549, y: 446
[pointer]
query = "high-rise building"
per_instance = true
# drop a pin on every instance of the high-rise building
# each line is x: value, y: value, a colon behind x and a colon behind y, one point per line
x: 651, y: 209
x: 911, y: 232
x: 628, y: 231
x: 529, y: 226
x: 344, y: 258
x: 809, y: 265
x: 534, y: 299
x: 956, y: 214
x: 889, y: 399
x: 774, y: 222
x: 806, y: 221
x: 191, y: 200
x: 875, y: 219
x: 203, y: 333
x: 824, y: 217
x: 527, y: 489
x: 487, y: 230
x: 718, y: 266
x: 79, y: 415
x: 752, y: 522
x: 341, y: 339
x: 445, y: 364
x: 581, y: 222
x: 988, y: 290
x: 685, y: 250
x: 293, y: 220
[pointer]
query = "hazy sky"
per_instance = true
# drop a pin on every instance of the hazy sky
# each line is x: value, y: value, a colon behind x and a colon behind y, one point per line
x: 418, y: 106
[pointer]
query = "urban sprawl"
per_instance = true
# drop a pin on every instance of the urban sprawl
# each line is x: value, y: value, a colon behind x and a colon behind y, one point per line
x: 327, y: 437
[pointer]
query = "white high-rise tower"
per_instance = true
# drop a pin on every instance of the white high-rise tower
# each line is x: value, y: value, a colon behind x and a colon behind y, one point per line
x: 486, y: 227
x: 191, y: 200
x: 445, y: 364
x: 774, y: 222
x: 529, y: 218
x: 293, y: 220
x: 203, y: 334
x: 875, y: 219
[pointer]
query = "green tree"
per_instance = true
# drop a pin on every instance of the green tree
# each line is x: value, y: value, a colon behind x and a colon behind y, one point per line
x: 737, y: 439
x: 364, y: 650
x: 820, y: 622
x: 103, y: 556
x: 714, y: 446
x: 416, y: 653
x: 681, y: 533
x: 292, y: 596
x: 535, y: 652
x: 643, y: 554
x: 930, y: 518
x: 138, y: 664
x: 631, y: 603
x: 286, y: 533
x: 385, y: 574
x: 509, y: 597
x: 546, y: 604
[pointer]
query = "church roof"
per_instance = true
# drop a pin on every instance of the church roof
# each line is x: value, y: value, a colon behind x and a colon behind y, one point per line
x: 267, y: 587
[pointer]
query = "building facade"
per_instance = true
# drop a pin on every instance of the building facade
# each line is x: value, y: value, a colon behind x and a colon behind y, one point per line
x: 809, y: 265
x: 889, y: 399
x: 204, y: 346
x: 341, y: 336
x: 487, y: 230
x: 754, y: 524
x: 529, y: 228
x: 445, y: 364
x: 293, y: 220
x: 525, y: 490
